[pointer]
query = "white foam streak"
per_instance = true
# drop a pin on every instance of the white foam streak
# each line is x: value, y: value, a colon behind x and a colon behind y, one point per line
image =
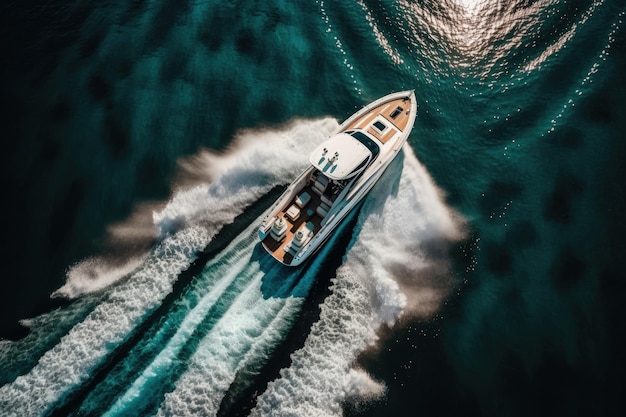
x: 165, y: 358
x: 237, y: 178
x: 187, y: 225
x: 245, y: 337
x: 312, y: 386
x: 390, y: 253
x: 359, y: 384
x: 94, y: 274
x: 69, y: 363
x: 127, y: 246
x: 240, y: 340
x: 256, y: 162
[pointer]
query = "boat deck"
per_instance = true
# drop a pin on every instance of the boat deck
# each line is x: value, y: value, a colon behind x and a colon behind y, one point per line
x: 395, y: 112
x: 307, y: 214
x: 300, y: 224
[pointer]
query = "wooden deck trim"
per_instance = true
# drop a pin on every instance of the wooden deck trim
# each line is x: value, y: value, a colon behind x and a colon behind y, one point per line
x: 363, y: 121
x: 385, y: 110
x: 402, y: 119
x: 388, y: 135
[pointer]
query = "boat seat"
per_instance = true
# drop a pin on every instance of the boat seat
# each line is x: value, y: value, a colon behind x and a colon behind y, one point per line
x: 303, y: 199
x: 322, y: 210
x: 327, y: 200
x: 293, y: 212
x: 320, y: 184
x: 300, y: 238
x: 279, y: 229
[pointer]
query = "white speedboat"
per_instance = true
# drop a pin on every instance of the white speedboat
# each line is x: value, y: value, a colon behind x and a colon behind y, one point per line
x: 342, y: 170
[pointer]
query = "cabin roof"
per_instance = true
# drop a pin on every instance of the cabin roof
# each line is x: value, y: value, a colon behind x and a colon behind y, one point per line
x: 339, y: 156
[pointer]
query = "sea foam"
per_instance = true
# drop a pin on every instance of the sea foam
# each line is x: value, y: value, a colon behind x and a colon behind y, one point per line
x: 185, y: 227
x: 256, y: 161
x: 229, y: 357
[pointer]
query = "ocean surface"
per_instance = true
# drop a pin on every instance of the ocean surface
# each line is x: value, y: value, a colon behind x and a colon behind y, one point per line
x: 143, y: 140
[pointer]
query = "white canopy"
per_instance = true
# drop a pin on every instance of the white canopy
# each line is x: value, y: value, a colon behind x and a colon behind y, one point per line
x: 339, y: 156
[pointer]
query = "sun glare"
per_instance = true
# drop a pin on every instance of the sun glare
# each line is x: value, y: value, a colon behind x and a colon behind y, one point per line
x: 470, y: 6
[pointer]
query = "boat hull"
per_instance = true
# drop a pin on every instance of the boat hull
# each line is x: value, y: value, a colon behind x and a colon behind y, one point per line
x: 313, y: 206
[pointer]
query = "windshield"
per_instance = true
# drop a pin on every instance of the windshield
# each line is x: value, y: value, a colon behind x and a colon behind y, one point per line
x: 369, y: 143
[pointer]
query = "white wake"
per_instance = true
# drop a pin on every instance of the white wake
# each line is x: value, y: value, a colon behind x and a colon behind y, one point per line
x: 246, y: 336
x: 185, y: 227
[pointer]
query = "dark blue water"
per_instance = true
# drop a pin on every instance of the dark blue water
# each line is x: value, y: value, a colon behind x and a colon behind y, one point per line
x: 144, y: 139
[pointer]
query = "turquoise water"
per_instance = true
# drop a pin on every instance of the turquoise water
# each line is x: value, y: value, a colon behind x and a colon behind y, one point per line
x: 144, y: 140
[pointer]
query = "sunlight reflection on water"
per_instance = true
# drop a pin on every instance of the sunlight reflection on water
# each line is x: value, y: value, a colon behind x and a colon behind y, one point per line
x: 478, y: 38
